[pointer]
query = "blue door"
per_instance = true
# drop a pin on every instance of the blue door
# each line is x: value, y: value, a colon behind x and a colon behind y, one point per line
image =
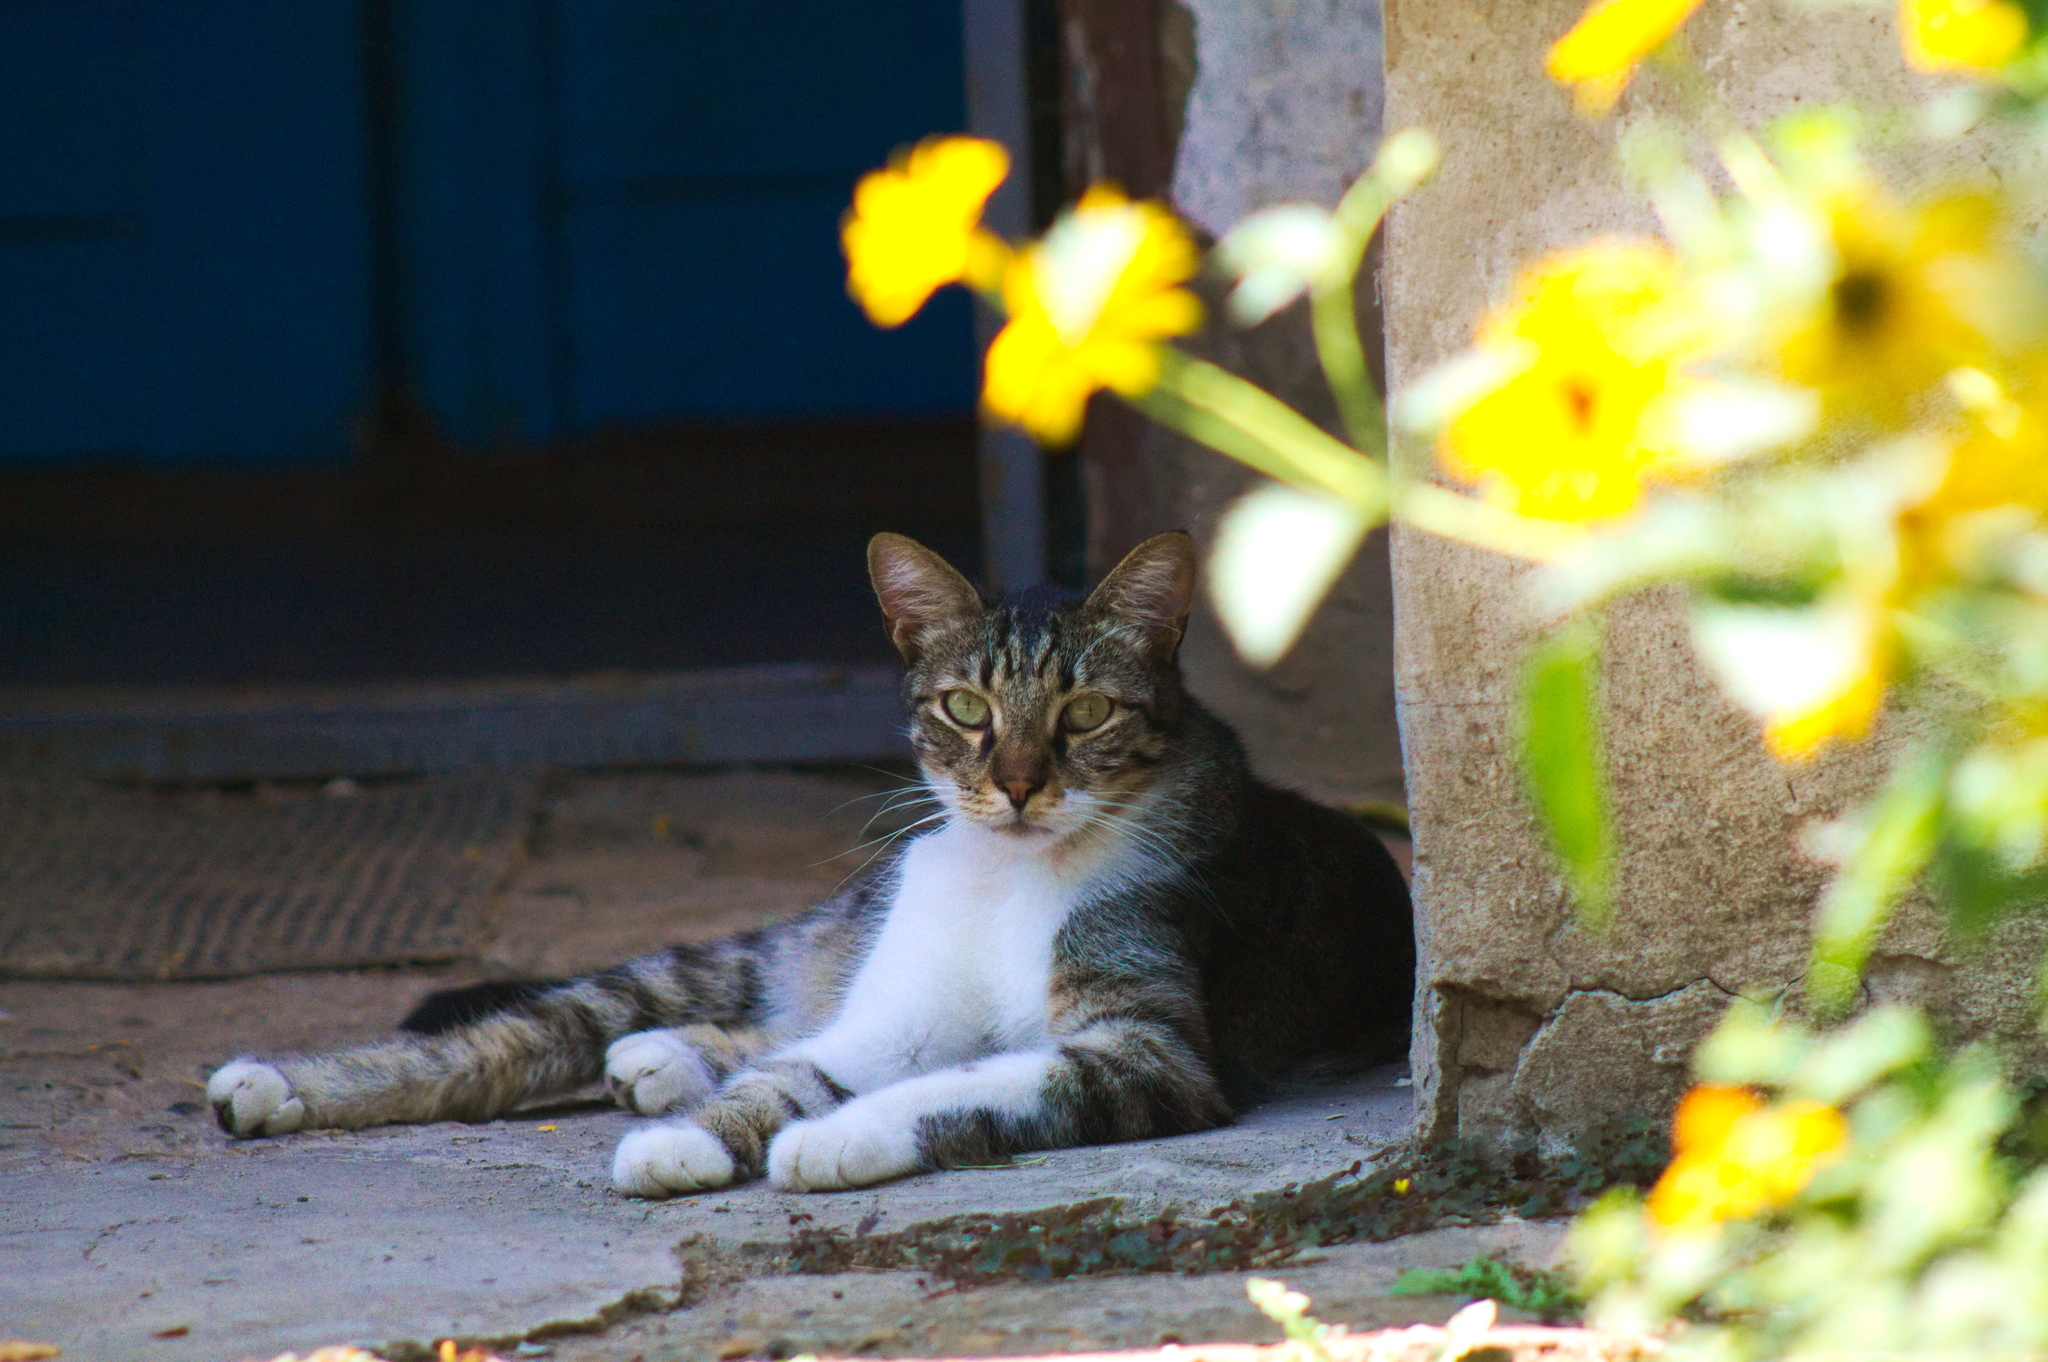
x: 183, y: 273
x: 604, y: 213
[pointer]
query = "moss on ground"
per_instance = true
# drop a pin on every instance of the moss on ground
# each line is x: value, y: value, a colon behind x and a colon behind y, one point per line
x: 1454, y: 1184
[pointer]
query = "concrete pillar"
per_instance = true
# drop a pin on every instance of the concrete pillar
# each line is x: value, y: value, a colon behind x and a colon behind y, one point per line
x: 1530, y: 1029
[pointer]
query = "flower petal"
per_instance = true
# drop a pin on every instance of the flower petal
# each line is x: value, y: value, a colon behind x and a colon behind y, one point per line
x: 1278, y: 551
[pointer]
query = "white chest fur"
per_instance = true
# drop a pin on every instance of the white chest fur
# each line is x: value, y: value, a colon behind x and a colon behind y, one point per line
x: 962, y: 966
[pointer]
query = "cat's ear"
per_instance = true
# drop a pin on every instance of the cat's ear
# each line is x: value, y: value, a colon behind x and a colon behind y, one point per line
x: 919, y: 591
x: 1153, y: 587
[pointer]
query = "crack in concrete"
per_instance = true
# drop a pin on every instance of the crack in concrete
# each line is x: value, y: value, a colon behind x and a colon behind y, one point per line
x: 105, y: 1234
x: 645, y: 1300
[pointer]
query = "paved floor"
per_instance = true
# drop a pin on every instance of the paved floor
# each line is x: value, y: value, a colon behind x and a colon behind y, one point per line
x: 130, y: 1227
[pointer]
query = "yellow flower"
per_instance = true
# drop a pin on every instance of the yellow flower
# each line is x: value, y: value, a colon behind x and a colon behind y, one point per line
x: 1582, y: 422
x: 1910, y: 297
x: 1845, y: 714
x: 1599, y: 56
x: 1736, y: 1156
x: 1812, y: 673
x: 1089, y: 306
x: 1961, y: 37
x: 915, y: 226
x: 1998, y: 459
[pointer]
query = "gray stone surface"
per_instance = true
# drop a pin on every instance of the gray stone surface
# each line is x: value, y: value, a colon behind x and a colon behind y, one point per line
x: 1530, y: 1027
x: 784, y: 712
x: 1285, y: 105
x: 404, y: 1235
x: 897, y: 1314
x: 125, y: 1214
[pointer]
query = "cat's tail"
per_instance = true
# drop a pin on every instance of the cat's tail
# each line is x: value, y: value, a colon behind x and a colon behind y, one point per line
x: 472, y: 1054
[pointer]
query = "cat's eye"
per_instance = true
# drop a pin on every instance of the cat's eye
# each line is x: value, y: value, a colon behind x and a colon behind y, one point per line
x: 1084, y: 712
x: 965, y: 708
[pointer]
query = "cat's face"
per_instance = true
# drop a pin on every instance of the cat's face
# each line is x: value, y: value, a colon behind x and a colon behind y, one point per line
x: 1038, y: 716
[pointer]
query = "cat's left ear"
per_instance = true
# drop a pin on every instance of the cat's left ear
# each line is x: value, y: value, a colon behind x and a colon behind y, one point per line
x: 921, y: 594
x: 1154, y: 587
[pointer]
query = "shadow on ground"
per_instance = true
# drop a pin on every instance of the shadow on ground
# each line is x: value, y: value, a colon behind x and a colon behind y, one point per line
x: 130, y: 1227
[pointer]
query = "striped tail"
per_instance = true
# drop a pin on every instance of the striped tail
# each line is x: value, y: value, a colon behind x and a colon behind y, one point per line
x: 472, y: 1054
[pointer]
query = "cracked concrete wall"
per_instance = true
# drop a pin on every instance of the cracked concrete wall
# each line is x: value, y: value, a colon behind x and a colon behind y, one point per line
x: 1529, y: 1028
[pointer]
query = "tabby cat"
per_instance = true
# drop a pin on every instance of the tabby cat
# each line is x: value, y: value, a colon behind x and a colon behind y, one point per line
x: 1114, y: 932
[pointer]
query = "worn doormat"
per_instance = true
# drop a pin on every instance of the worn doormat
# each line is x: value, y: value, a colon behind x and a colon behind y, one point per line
x: 109, y: 883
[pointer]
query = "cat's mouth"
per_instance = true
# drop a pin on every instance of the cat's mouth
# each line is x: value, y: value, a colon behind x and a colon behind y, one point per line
x: 1029, y: 821
x: 1013, y: 822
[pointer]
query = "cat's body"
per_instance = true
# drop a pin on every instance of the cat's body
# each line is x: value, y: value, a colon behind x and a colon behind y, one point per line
x: 1114, y: 932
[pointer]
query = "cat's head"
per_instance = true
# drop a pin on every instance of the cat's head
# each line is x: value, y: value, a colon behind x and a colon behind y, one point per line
x: 1040, y: 714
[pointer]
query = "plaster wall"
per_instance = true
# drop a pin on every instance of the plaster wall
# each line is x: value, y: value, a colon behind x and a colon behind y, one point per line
x: 1531, y: 1030
x: 1284, y: 106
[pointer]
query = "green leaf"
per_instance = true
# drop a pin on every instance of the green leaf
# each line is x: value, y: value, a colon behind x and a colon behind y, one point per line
x: 1851, y: 1060
x: 1752, y: 1047
x: 1564, y: 762
x: 1890, y: 843
x: 1539, y: 1292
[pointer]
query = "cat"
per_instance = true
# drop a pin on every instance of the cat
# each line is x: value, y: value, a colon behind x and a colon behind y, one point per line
x: 1114, y: 932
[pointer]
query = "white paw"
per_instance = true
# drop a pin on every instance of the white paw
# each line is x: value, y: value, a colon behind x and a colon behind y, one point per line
x: 670, y: 1159
x: 849, y: 1148
x: 654, y: 1072
x: 251, y: 1098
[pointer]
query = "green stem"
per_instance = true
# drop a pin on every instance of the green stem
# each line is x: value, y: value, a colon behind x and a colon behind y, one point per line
x: 1468, y: 520
x: 1333, y: 312
x: 1245, y: 422
x: 1747, y: 164
x: 1248, y: 423
x: 1900, y: 829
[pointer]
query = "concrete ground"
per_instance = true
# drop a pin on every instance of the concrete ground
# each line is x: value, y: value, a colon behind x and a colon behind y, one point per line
x: 130, y: 1227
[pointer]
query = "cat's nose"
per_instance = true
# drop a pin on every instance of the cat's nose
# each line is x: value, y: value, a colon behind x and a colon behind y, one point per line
x: 1020, y: 791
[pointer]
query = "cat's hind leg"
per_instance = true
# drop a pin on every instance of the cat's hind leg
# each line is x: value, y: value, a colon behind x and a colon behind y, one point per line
x: 674, y: 1069
x: 544, y: 1043
x: 253, y: 1098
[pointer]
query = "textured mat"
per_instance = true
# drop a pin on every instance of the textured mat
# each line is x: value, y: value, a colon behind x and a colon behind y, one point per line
x: 99, y: 883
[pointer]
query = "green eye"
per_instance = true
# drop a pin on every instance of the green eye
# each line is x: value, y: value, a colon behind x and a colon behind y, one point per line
x: 1084, y: 712
x: 966, y: 708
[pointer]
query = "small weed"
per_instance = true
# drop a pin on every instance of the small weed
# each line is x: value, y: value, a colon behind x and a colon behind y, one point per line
x: 1289, y: 1310
x: 1534, y: 1290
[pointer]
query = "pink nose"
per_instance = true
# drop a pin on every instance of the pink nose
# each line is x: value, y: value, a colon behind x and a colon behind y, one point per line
x: 1020, y: 791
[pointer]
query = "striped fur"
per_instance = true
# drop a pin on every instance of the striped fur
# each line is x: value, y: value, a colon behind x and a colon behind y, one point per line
x: 1114, y: 933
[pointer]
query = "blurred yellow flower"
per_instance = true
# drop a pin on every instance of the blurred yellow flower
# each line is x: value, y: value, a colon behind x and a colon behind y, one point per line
x: 1998, y: 459
x: 1089, y: 306
x: 1845, y: 713
x: 1812, y: 673
x: 915, y: 226
x: 1593, y: 340
x: 1911, y: 295
x: 1599, y: 56
x: 1961, y: 37
x: 1736, y: 1156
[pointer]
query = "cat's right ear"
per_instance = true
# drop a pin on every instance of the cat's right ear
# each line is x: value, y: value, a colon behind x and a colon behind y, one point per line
x: 919, y: 591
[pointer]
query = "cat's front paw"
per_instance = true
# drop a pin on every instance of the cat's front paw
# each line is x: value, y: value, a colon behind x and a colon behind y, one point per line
x: 251, y: 1098
x: 655, y: 1072
x: 849, y: 1148
x: 671, y: 1159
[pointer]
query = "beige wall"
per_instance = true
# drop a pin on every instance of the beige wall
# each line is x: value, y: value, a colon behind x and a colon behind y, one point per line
x: 1529, y: 1028
x: 1283, y: 105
